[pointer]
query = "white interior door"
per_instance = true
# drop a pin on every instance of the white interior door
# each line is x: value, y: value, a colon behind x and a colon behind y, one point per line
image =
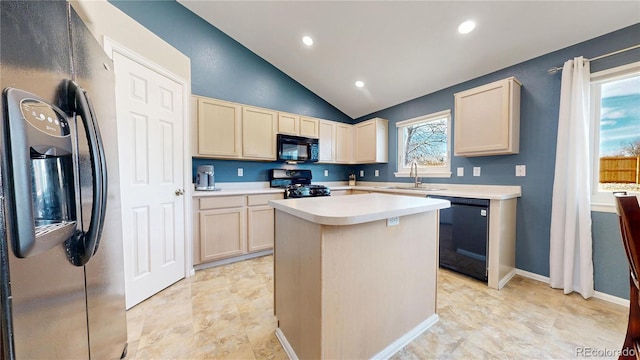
x: 150, y: 137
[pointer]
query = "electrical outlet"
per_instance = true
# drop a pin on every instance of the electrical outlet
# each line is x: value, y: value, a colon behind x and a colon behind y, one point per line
x: 376, y: 172
x: 393, y: 221
x: 240, y: 172
x: 460, y: 171
x: 326, y: 173
x: 361, y: 173
x: 476, y: 171
x: 521, y: 170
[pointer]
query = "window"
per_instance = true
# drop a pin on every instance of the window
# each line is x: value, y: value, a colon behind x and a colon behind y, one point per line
x: 426, y: 140
x: 615, y: 121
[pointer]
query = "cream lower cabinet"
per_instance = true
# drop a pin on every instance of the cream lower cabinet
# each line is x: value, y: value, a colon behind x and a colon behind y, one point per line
x: 230, y: 226
x: 222, y: 227
x: 260, y: 221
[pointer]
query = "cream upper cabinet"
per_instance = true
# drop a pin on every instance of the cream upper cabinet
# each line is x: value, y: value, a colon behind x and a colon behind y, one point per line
x: 371, y: 144
x: 487, y: 119
x: 288, y: 124
x: 309, y: 127
x: 327, y: 141
x: 344, y: 143
x: 219, y: 132
x: 259, y: 128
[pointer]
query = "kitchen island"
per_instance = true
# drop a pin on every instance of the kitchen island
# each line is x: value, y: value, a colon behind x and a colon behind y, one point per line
x: 355, y: 277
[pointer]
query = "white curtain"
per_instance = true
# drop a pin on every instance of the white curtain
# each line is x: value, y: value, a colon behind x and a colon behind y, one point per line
x: 570, y: 260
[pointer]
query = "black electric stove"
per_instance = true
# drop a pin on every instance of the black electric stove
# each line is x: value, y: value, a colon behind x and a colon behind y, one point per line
x: 296, y: 183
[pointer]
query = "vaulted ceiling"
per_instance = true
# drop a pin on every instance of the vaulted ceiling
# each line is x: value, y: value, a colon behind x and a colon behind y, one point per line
x: 405, y: 49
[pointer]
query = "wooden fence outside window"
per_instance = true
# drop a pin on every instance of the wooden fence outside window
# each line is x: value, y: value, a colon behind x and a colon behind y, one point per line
x: 623, y: 170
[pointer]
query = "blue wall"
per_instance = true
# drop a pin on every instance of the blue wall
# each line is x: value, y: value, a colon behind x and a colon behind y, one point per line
x: 224, y: 69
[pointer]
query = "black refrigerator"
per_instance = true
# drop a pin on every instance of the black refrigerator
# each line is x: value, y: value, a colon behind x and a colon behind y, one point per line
x: 62, y: 272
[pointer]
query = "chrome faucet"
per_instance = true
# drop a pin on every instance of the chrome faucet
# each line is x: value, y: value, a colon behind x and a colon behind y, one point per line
x: 413, y: 172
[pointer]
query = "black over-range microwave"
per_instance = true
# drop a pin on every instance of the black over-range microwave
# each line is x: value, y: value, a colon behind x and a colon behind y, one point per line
x: 297, y: 149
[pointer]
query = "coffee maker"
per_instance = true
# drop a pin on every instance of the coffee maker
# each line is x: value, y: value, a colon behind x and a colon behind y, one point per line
x: 205, y: 179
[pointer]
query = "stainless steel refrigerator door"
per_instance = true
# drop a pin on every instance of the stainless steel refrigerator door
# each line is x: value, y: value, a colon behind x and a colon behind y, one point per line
x: 48, y: 295
x: 105, y: 270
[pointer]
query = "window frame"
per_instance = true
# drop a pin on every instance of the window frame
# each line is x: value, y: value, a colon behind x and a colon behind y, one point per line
x: 423, y: 171
x: 603, y: 201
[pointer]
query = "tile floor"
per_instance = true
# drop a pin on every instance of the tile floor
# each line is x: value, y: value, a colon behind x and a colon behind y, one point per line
x: 227, y: 313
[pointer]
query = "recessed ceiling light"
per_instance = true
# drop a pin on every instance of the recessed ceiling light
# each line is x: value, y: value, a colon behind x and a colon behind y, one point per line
x: 359, y: 83
x: 466, y: 27
x: 307, y: 40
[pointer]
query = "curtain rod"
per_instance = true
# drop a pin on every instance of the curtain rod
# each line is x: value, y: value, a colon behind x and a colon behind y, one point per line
x: 554, y: 70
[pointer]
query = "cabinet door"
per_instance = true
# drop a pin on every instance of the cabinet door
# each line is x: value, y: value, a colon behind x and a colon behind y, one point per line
x: 365, y: 142
x: 260, y: 224
x: 288, y: 124
x: 219, y: 129
x: 259, y: 128
x: 327, y: 132
x: 488, y: 119
x: 309, y: 127
x: 222, y: 233
x: 344, y: 143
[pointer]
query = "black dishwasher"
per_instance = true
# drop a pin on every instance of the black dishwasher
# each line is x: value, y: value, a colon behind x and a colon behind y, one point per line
x: 464, y: 234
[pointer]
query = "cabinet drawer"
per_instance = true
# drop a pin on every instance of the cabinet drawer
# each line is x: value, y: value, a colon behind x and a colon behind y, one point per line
x: 219, y: 202
x: 263, y: 199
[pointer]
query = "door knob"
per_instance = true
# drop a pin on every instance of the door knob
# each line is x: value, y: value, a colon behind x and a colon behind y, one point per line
x: 179, y: 192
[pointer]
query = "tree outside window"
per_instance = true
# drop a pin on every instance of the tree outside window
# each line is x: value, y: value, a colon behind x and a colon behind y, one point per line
x: 425, y: 139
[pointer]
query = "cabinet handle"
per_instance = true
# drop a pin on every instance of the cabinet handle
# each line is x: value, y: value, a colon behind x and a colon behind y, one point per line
x: 179, y: 192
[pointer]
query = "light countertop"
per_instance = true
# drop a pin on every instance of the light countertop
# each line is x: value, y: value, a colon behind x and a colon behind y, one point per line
x: 356, y: 209
x: 491, y: 192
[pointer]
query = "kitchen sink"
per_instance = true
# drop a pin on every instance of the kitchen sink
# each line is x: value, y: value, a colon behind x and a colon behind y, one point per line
x: 411, y: 188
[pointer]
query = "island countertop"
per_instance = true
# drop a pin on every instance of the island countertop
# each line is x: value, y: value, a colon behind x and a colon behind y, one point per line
x: 356, y: 209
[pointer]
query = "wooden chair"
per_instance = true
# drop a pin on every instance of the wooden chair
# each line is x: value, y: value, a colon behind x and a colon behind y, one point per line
x: 629, y: 214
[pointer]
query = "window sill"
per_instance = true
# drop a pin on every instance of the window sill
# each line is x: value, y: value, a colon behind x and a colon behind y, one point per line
x: 604, y: 202
x: 444, y: 174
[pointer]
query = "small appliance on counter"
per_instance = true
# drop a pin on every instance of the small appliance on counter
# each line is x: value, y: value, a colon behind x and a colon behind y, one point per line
x: 352, y: 180
x: 296, y: 183
x: 205, y: 178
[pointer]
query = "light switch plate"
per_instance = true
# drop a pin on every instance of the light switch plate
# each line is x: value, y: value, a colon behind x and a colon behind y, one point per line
x: 361, y: 173
x: 476, y: 171
x: 460, y: 171
x: 521, y: 170
x: 326, y: 173
x: 393, y: 221
x: 376, y: 173
x: 240, y: 172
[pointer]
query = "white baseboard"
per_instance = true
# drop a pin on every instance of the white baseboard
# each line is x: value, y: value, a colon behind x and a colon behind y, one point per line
x: 405, y: 339
x: 285, y: 345
x: 597, y: 294
x: 533, y: 276
x: 611, y: 298
x: 386, y: 353
x: 506, y: 279
x: 232, y: 260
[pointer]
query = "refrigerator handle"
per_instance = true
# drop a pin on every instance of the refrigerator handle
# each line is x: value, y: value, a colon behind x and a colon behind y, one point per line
x: 80, y: 103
